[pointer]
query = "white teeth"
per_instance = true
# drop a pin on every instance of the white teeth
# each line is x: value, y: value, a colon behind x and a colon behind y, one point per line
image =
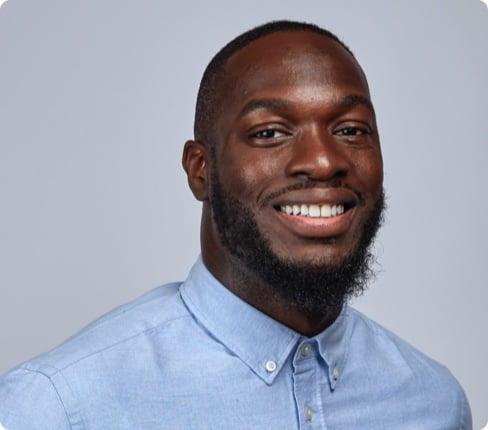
x: 325, y: 211
x: 314, y: 211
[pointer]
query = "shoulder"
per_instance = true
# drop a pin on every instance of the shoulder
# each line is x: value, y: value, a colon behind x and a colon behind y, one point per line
x: 48, y: 384
x: 377, y: 340
x: 394, y: 363
x: 120, y: 327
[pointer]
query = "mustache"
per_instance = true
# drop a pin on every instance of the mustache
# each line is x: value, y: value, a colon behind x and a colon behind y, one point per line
x: 309, y: 184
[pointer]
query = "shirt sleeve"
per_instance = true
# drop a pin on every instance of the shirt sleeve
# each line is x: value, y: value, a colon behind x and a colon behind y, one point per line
x: 29, y: 401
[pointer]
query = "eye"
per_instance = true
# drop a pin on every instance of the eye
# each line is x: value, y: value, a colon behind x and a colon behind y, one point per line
x: 268, y: 136
x: 353, y: 131
x: 269, y: 133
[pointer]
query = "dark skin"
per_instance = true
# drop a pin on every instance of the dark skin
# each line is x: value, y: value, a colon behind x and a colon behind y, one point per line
x: 295, y: 107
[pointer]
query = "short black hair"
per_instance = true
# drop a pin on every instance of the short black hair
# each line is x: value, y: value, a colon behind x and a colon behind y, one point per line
x: 208, y: 93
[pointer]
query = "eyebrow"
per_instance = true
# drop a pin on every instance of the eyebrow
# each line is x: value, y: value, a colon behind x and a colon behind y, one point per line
x: 270, y: 104
x: 354, y: 100
x: 279, y: 104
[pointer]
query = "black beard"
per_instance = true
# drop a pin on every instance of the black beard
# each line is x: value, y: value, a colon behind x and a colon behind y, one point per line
x: 308, y: 286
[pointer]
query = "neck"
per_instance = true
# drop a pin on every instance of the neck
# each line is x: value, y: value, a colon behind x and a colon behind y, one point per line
x: 250, y: 288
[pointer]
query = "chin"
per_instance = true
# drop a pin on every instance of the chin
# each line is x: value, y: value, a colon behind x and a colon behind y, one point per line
x: 323, y: 252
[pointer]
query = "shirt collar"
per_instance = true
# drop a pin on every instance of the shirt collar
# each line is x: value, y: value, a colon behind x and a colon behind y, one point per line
x: 261, y: 342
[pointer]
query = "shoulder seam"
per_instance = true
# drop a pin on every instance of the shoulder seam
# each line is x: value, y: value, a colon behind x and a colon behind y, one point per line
x: 57, y: 370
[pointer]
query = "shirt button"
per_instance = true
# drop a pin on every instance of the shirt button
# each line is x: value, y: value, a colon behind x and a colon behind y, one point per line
x: 308, y: 413
x: 305, y: 349
x: 270, y: 366
x: 335, y: 374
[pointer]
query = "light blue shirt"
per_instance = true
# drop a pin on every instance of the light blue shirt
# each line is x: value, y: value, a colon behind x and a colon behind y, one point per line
x: 194, y: 356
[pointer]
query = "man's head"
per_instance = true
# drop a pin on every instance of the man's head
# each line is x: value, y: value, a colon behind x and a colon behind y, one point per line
x: 209, y: 92
x: 288, y: 164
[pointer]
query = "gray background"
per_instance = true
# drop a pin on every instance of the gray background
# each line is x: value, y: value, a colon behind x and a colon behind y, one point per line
x: 96, y: 100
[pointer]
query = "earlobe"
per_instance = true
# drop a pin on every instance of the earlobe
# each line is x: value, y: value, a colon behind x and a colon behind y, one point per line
x: 195, y: 163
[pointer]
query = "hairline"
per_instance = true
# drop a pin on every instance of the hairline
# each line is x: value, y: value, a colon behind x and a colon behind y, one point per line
x: 210, y: 86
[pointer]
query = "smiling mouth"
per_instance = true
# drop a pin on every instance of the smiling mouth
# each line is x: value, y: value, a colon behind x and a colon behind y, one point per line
x: 314, y: 211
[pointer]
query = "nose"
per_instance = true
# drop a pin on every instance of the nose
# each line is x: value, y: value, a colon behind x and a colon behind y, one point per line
x: 316, y: 154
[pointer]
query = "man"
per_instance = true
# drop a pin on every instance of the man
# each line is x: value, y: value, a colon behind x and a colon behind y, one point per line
x: 287, y: 163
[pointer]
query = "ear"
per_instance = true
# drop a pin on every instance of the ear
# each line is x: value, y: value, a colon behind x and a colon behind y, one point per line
x: 196, y: 164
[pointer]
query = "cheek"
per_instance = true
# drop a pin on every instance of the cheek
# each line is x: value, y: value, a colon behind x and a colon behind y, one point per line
x: 247, y: 176
x: 370, y: 173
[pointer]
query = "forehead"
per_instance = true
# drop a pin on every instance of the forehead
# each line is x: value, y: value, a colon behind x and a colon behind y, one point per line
x: 287, y: 58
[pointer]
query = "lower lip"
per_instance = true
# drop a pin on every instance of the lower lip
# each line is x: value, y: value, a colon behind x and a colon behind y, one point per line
x: 316, y: 226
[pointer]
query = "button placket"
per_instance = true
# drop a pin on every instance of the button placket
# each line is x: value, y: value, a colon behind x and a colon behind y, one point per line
x: 307, y: 377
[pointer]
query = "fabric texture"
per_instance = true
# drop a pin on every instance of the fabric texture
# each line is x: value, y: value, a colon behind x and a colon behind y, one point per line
x: 192, y: 355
